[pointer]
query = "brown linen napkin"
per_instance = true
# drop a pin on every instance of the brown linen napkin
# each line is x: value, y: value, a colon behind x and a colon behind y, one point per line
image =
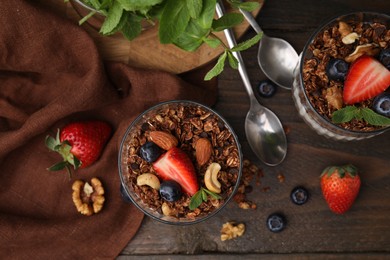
x: 51, y: 74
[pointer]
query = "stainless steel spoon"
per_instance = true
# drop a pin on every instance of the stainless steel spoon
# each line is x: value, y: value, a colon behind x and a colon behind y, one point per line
x: 263, y: 128
x: 276, y: 57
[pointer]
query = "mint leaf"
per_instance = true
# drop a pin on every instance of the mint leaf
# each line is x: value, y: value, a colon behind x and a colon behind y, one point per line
x: 348, y: 113
x: 248, y: 43
x: 194, y: 7
x: 233, y: 62
x: 227, y: 21
x: 174, y: 20
x: 112, y: 20
x: 192, y: 37
x: 212, y: 42
x: 212, y: 194
x: 196, y: 200
x: 206, y: 17
x: 131, y: 25
x: 247, y: 6
x: 218, y: 68
x: 137, y: 5
x: 343, y: 115
x: 373, y: 118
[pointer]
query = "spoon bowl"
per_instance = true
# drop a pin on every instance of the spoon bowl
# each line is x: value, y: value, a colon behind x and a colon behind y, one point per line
x: 276, y: 57
x: 263, y: 129
x: 265, y: 135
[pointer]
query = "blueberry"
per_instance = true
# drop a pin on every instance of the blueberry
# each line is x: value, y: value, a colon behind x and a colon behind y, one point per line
x: 150, y: 152
x: 337, y: 69
x: 276, y: 222
x: 381, y: 104
x: 170, y: 191
x: 266, y: 88
x: 384, y: 58
x: 299, y: 195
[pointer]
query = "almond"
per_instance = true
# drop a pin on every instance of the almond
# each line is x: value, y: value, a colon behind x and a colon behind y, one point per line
x: 163, y: 139
x: 203, y: 150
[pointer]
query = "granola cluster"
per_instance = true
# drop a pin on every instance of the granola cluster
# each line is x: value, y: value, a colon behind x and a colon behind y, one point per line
x: 342, y: 40
x: 188, y: 123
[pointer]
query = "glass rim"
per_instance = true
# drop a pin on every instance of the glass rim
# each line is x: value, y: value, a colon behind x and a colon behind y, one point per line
x: 180, y: 221
x: 328, y: 22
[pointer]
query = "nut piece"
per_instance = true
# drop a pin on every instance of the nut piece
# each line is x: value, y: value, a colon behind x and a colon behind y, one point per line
x: 232, y: 230
x: 88, y: 198
x: 163, y: 139
x: 203, y: 151
x: 334, y: 97
x: 350, y: 38
x: 344, y: 29
x: 149, y: 179
x: 211, y: 178
x: 369, y: 49
x: 168, y: 211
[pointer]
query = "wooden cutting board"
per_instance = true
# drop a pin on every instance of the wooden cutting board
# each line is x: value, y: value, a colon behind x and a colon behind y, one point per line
x: 145, y: 51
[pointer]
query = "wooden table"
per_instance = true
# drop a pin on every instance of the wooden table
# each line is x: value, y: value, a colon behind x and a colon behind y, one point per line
x: 312, y: 231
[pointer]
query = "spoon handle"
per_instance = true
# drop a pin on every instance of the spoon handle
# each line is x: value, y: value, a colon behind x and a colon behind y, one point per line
x: 232, y: 42
x: 251, y: 20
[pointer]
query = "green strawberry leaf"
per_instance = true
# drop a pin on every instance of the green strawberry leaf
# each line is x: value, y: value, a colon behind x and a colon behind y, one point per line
x: 218, y: 68
x: 58, y: 166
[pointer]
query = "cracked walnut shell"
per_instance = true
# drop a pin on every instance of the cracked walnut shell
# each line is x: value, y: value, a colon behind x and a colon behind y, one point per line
x: 88, y: 198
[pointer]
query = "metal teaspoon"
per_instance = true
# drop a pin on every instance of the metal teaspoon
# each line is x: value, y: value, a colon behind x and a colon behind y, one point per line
x: 263, y: 129
x: 276, y: 57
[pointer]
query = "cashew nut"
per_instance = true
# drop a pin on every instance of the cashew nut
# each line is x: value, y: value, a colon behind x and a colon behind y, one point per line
x: 149, y: 179
x: 211, y: 178
x: 350, y: 38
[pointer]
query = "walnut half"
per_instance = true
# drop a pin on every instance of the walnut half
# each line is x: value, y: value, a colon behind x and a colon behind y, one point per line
x: 232, y: 230
x: 88, y: 198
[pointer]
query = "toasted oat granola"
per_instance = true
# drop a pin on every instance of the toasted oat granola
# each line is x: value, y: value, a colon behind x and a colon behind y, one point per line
x: 187, y: 124
x: 324, y: 94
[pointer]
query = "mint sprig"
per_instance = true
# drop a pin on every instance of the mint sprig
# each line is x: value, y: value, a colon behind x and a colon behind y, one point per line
x: 349, y: 113
x: 200, y: 196
x: 186, y: 23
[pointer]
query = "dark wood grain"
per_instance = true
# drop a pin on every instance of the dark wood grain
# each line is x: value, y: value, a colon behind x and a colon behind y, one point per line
x: 312, y: 231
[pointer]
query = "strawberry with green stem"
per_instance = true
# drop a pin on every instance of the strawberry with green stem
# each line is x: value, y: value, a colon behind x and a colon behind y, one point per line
x: 340, y: 186
x: 79, y: 143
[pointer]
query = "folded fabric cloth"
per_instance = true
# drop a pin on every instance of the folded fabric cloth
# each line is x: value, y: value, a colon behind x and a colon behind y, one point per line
x: 51, y: 74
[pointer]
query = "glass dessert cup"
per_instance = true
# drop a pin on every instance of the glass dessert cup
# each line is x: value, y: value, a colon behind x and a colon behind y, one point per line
x: 318, y: 122
x: 130, y: 190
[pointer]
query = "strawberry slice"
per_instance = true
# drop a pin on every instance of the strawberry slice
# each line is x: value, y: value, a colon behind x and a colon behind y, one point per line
x: 176, y: 165
x: 366, y: 79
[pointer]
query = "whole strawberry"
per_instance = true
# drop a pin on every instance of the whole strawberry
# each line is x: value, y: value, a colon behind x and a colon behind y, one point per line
x: 80, y: 144
x: 340, y: 186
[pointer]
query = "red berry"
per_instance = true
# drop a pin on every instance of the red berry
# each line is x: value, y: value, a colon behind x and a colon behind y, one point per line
x: 177, y: 166
x: 340, y: 186
x: 366, y: 79
x: 79, y: 143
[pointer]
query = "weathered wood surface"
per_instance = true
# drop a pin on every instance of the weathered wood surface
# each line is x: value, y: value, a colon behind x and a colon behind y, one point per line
x: 312, y: 231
